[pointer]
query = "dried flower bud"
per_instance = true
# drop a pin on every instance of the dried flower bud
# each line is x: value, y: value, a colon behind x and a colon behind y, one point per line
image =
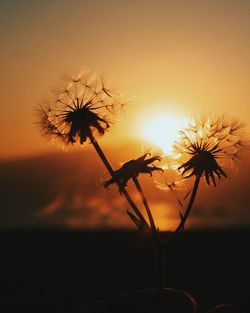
x: 132, y: 169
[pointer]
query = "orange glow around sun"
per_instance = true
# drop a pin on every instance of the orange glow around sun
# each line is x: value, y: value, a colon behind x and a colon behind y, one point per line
x: 161, y: 129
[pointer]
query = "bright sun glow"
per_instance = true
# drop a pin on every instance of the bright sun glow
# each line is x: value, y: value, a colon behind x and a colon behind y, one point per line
x: 161, y: 130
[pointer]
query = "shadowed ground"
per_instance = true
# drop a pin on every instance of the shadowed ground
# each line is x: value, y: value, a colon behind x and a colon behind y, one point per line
x: 54, y: 271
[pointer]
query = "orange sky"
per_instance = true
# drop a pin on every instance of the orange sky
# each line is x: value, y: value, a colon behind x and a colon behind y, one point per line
x: 66, y: 190
x: 181, y: 55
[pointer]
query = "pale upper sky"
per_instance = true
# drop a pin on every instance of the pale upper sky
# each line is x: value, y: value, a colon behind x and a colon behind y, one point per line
x: 182, y: 56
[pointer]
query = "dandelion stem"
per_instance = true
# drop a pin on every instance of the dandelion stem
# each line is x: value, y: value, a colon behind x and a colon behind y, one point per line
x: 188, y: 210
x: 122, y: 189
x: 145, y: 203
x: 159, y: 247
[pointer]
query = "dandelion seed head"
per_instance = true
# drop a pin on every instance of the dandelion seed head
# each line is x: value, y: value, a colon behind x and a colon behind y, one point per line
x: 80, y: 110
x: 207, y: 144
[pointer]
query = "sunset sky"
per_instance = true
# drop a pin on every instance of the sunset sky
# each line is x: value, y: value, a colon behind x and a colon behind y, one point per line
x: 168, y: 58
x: 175, y: 56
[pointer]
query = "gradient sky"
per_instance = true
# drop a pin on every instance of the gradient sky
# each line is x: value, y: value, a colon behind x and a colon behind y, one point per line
x: 182, y: 55
x: 171, y: 57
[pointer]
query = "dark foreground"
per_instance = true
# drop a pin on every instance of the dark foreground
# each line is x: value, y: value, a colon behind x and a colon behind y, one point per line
x: 54, y: 271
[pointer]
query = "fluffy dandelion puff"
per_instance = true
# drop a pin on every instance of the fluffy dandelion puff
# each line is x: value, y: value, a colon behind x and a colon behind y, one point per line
x: 171, y: 180
x: 207, y: 144
x: 84, y: 108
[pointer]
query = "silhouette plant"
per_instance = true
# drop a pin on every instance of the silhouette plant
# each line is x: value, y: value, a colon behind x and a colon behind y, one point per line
x: 131, y: 170
x: 204, y: 147
x: 81, y: 113
x: 84, y: 110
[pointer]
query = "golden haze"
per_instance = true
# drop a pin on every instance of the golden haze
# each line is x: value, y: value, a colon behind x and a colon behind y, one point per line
x: 187, y: 59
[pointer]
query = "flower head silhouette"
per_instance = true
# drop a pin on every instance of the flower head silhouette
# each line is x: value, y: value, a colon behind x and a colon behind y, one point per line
x: 81, y: 111
x: 132, y: 169
x: 204, y: 147
x: 206, y: 143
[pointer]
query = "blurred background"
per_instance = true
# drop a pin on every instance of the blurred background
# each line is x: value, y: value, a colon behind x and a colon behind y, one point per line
x: 171, y: 59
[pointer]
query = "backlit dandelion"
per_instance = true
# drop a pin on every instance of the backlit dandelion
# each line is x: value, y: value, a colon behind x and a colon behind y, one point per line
x: 204, y: 148
x: 206, y: 143
x: 83, y: 110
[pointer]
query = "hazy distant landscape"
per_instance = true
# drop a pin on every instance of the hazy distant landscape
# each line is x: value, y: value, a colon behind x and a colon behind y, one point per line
x: 65, y: 240
x: 130, y: 76
x: 63, y: 190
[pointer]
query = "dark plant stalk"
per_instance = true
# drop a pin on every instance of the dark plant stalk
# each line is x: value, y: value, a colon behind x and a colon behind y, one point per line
x: 145, y: 203
x: 158, y: 245
x: 121, y: 188
x: 188, y: 210
x: 161, y: 245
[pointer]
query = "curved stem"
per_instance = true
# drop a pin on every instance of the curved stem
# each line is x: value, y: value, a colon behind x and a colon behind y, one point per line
x: 154, y: 231
x: 159, y: 247
x: 122, y: 189
x: 188, y: 210
x: 145, y: 203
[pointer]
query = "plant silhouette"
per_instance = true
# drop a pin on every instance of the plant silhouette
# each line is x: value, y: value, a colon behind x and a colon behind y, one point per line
x: 81, y: 112
x: 84, y: 111
x: 204, y: 147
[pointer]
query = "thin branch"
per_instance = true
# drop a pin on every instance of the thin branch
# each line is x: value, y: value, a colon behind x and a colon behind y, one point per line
x: 145, y: 203
x: 121, y: 188
x: 158, y: 244
x: 184, y: 217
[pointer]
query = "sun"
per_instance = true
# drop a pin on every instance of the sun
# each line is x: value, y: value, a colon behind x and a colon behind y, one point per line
x: 161, y: 129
